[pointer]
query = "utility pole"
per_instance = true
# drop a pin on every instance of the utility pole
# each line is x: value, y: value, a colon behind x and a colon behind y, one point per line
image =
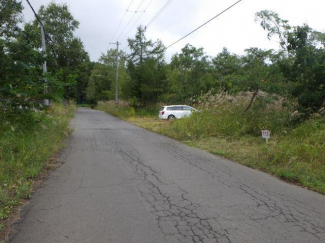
x: 46, y: 101
x: 116, y: 81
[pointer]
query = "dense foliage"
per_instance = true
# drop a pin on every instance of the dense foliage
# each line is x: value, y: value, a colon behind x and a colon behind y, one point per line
x: 29, y: 133
x: 23, y: 83
x: 295, y: 71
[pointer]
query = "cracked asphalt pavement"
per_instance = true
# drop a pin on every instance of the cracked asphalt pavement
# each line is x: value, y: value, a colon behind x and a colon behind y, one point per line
x: 121, y: 183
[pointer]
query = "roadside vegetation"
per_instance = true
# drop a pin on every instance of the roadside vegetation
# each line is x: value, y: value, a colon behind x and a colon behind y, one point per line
x: 28, y: 141
x: 125, y: 111
x: 238, y: 95
x: 295, y: 152
x: 31, y: 133
x: 282, y: 91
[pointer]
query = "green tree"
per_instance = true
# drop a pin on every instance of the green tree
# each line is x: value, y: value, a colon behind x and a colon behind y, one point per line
x: 227, y: 69
x: 65, y: 51
x: 192, y: 71
x: 146, y: 69
x: 83, y: 73
x: 10, y: 16
x: 101, y: 85
x: 21, y: 79
x: 306, y: 69
x: 275, y: 26
x: 260, y: 70
x: 304, y: 65
x: 60, y: 26
x: 142, y: 49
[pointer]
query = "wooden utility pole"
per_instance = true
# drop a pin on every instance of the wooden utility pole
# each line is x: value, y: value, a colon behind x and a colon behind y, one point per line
x: 116, y: 80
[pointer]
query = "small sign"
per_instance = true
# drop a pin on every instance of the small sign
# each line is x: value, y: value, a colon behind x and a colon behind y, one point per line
x: 266, y: 134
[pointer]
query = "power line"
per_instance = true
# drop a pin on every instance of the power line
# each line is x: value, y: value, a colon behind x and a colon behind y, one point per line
x: 137, y: 20
x: 204, y: 23
x: 121, y: 21
x: 159, y: 12
x: 135, y: 11
x: 130, y: 20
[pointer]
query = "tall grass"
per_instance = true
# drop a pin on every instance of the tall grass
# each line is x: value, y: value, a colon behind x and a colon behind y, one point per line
x: 228, y: 120
x: 27, y: 141
x: 295, y: 152
x: 300, y: 155
x: 124, y: 111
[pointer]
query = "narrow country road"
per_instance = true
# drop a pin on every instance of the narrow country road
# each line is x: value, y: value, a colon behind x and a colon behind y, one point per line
x: 121, y: 183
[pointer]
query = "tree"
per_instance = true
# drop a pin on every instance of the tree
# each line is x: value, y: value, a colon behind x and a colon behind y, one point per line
x: 306, y: 69
x: 193, y: 72
x: 271, y: 22
x: 21, y: 79
x: 101, y: 84
x: 141, y: 49
x: 10, y: 16
x: 228, y: 69
x: 65, y: 51
x: 60, y: 25
x: 145, y: 66
x: 304, y: 65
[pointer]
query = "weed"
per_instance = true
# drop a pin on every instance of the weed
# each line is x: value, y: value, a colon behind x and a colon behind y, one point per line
x: 124, y: 111
x: 27, y: 141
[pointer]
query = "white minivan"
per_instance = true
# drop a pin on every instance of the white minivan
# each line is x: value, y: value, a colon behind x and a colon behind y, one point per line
x: 175, y: 111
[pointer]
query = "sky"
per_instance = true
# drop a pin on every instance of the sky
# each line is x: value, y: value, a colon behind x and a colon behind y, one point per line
x: 236, y: 29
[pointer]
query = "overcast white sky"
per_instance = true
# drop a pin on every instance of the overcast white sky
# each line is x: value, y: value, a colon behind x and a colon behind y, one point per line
x: 235, y: 29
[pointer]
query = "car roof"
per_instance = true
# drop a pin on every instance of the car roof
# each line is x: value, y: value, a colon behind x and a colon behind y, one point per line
x: 173, y: 105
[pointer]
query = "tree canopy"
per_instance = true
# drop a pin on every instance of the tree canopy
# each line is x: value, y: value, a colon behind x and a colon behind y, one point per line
x: 295, y: 71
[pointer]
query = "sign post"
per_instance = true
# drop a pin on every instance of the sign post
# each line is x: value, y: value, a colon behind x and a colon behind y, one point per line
x: 266, y: 134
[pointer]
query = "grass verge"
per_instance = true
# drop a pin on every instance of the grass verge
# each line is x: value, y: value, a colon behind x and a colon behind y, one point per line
x: 27, y: 142
x: 295, y: 153
x: 124, y: 111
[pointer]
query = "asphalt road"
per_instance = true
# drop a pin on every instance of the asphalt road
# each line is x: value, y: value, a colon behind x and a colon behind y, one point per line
x: 121, y: 183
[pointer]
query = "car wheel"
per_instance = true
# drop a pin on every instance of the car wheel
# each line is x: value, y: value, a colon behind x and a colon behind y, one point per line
x: 171, y: 118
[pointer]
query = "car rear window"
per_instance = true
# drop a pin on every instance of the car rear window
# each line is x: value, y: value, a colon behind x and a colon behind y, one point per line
x: 175, y: 108
x: 187, y: 108
x: 162, y: 108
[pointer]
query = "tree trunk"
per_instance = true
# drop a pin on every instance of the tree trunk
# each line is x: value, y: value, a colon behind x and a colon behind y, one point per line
x: 252, y: 100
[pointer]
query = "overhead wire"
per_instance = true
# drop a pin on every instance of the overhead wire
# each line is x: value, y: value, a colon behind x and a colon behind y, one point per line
x: 162, y: 9
x: 130, y: 20
x: 121, y: 20
x: 136, y: 22
x: 159, y: 13
x: 205, y: 23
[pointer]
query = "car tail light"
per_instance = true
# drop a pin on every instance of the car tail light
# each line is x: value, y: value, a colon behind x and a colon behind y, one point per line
x: 163, y: 112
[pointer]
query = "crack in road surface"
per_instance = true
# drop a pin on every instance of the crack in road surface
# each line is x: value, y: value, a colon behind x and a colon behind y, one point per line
x: 179, y: 218
x: 149, y: 188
